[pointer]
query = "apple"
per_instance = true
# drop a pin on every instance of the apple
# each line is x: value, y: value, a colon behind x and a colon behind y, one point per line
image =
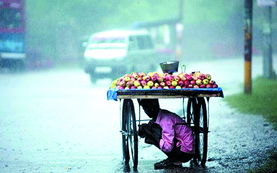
x: 142, y: 74
x: 198, y: 82
x: 190, y: 86
x: 178, y: 87
x: 196, y: 73
x: 150, y: 83
x: 156, y: 85
x: 153, y: 78
x: 186, y: 82
x: 168, y: 83
x: 205, y: 81
x: 136, y: 83
x: 202, y: 76
x: 120, y: 87
x: 180, y: 83
x: 162, y: 84
x: 212, y: 82
x: 146, y: 78
x: 189, y: 77
x: 133, y: 87
x: 143, y: 82
x: 215, y: 86
x: 174, y: 83
x: 122, y: 83
x: 175, y: 78
x: 128, y: 84
x: 194, y: 78
x: 160, y: 79
x: 208, y: 76
x: 146, y: 87
x: 166, y: 87
x: 202, y: 86
x: 139, y: 87
x: 209, y: 86
x: 127, y: 78
x: 192, y: 82
x: 168, y: 77
x: 135, y: 75
x: 195, y: 86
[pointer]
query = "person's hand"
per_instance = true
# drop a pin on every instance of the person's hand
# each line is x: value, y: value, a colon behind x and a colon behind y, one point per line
x: 156, y: 131
x: 141, y: 130
x: 150, y: 140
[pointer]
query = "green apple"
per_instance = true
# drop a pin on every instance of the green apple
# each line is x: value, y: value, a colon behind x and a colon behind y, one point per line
x: 174, y: 83
x: 205, y: 81
x: 150, y: 83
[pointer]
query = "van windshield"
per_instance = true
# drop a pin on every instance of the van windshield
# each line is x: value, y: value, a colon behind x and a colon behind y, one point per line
x: 100, y: 40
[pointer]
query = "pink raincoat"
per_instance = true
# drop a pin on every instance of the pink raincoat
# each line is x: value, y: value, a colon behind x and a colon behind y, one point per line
x: 182, y: 133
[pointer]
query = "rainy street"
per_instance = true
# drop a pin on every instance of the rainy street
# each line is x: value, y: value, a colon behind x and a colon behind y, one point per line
x: 57, y: 121
x: 55, y: 116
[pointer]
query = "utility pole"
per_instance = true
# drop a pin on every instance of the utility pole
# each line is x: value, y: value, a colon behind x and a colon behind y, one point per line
x: 267, y: 43
x: 248, y: 14
x: 266, y: 6
x: 179, y: 32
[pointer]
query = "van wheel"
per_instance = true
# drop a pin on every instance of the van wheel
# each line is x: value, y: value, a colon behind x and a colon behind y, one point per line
x: 93, y: 78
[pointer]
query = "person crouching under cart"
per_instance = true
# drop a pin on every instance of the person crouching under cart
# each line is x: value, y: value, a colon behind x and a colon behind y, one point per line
x: 167, y: 131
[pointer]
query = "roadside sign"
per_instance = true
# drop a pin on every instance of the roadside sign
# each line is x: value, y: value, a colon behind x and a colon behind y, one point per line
x: 266, y: 3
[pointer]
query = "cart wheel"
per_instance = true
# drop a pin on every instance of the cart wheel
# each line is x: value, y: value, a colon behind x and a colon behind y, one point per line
x: 201, y: 133
x: 191, y: 108
x: 129, y: 133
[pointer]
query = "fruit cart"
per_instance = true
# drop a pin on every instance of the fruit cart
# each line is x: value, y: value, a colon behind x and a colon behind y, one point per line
x: 197, y: 116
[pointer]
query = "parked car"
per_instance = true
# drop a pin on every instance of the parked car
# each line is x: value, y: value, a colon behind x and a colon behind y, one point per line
x: 111, y: 54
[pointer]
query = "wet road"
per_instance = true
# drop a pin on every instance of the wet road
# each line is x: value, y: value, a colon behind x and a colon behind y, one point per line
x: 57, y: 121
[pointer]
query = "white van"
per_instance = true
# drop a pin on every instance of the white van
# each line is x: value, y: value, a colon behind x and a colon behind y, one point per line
x: 117, y: 52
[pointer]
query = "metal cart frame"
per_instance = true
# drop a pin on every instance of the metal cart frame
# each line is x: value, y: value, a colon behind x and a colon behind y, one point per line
x: 197, y: 117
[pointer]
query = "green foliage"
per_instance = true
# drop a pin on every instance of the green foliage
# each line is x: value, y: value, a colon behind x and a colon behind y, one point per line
x: 262, y: 101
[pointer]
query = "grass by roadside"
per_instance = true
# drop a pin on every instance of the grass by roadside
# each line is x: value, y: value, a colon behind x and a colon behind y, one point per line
x: 262, y: 101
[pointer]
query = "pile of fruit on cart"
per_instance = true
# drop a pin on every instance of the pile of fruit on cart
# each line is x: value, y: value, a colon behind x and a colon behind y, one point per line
x: 155, y: 80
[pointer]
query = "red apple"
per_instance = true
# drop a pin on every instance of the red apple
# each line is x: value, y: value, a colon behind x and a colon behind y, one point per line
x: 215, y: 86
x: 168, y: 83
x: 133, y: 87
x: 186, y: 82
x: 180, y: 83
x: 160, y: 79
x: 143, y: 82
x: 193, y: 82
x: 212, y: 82
x: 209, y: 86
x: 202, y: 86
